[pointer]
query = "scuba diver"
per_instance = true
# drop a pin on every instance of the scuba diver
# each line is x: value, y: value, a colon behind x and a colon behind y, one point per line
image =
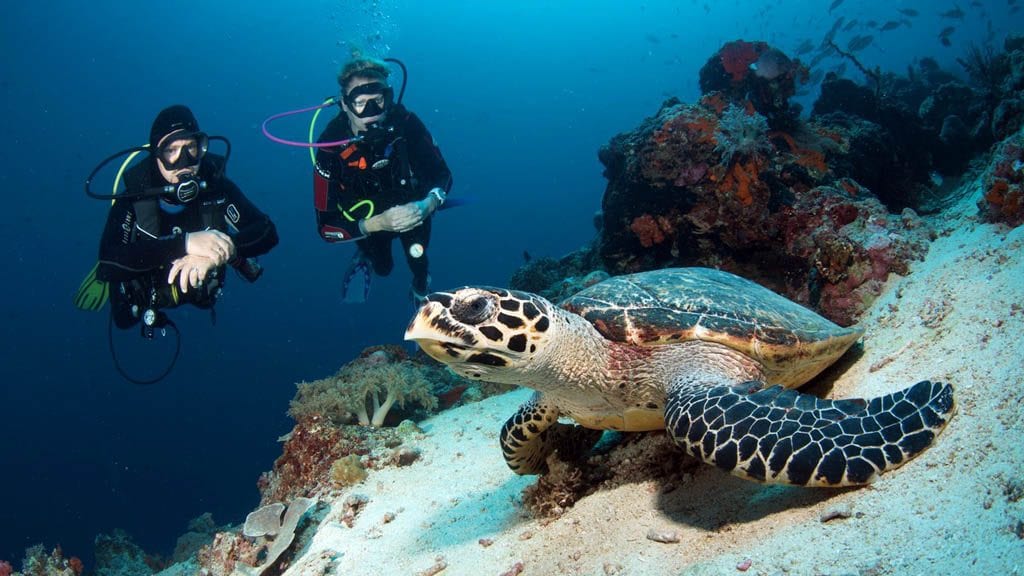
x: 383, y: 181
x: 172, y: 232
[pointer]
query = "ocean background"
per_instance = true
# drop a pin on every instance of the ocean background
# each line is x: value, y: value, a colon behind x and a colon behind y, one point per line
x: 519, y: 95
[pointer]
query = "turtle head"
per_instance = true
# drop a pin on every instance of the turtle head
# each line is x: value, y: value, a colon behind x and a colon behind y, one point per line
x: 483, y: 333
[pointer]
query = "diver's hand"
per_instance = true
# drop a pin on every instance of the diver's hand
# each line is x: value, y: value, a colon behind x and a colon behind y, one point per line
x: 212, y: 244
x: 395, y: 219
x: 430, y: 203
x: 190, y: 271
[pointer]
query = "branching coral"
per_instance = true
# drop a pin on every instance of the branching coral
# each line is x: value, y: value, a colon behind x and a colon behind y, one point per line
x: 741, y: 132
x: 985, y: 68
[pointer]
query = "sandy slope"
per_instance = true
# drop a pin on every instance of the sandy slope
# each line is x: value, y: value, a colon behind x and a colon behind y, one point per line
x: 954, y: 510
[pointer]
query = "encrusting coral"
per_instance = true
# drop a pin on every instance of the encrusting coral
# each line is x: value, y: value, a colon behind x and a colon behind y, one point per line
x: 348, y: 470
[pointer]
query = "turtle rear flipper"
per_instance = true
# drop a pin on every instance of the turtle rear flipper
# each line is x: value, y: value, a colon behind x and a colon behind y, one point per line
x: 534, y: 432
x: 783, y: 436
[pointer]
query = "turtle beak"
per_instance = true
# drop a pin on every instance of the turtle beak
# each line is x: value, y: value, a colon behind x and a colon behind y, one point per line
x: 432, y: 330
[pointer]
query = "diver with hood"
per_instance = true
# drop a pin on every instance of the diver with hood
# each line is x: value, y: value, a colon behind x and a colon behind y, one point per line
x: 178, y: 225
x: 385, y: 182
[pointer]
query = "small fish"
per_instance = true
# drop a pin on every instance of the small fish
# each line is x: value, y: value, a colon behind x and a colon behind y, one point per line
x: 835, y: 26
x: 909, y: 12
x: 526, y: 257
x: 835, y: 4
x: 772, y: 64
x: 819, y: 57
x: 1014, y: 9
x: 947, y: 31
x: 850, y: 25
x: 944, y: 40
x: 804, y: 47
x: 956, y: 13
x: 652, y: 39
x: 859, y: 43
x: 890, y: 25
x: 832, y: 33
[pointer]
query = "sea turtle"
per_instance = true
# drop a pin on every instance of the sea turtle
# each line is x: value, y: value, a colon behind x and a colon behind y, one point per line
x: 709, y: 356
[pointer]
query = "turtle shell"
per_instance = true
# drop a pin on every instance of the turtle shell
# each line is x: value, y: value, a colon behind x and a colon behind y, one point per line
x: 675, y: 305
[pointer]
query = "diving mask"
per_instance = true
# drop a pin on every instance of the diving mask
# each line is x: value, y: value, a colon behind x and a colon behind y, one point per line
x: 182, y: 149
x: 368, y: 100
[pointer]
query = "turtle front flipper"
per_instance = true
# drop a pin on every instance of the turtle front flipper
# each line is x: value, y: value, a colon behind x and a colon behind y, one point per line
x: 534, y: 432
x: 783, y: 436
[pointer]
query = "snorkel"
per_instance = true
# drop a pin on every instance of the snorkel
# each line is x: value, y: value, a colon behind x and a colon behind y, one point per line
x: 331, y: 101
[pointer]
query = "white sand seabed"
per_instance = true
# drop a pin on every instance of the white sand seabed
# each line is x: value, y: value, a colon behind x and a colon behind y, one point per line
x: 955, y: 509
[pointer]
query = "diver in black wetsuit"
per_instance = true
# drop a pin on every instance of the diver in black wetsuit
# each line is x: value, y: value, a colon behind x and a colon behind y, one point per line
x: 169, y: 248
x: 383, y: 185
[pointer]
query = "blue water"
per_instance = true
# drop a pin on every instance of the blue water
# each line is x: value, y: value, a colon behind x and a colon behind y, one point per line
x: 519, y: 95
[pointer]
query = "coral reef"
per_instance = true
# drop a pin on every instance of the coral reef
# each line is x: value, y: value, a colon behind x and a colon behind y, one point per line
x: 822, y: 210
x: 227, y: 551
x: 116, y: 553
x: 556, y: 491
x: 758, y: 74
x: 310, y: 450
x: 348, y: 470
x: 1003, y: 183
x: 741, y: 132
x: 273, y: 533
x: 852, y: 244
x: 38, y: 563
x: 199, y: 533
x: 366, y: 388
x: 621, y: 458
x: 259, y: 546
x: 339, y: 434
x: 561, y: 278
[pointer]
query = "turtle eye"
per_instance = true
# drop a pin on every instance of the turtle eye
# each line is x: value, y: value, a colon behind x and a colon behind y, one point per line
x: 473, y: 310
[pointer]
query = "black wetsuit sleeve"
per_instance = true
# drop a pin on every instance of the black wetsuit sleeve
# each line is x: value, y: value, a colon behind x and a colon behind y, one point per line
x: 252, y: 231
x: 122, y: 259
x: 425, y: 157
